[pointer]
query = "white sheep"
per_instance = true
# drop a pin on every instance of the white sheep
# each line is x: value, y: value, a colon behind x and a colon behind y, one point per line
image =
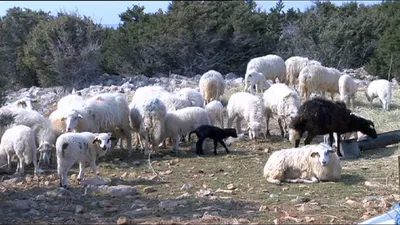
x: 106, y: 112
x: 308, y: 164
x: 380, y: 88
x: 74, y: 100
x: 82, y: 147
x: 347, y: 89
x: 44, y: 134
x: 216, y: 112
x: 271, y: 66
x: 212, y: 86
x: 243, y: 105
x: 283, y: 102
x: 195, y: 98
x: 294, y: 65
x: 24, y: 102
x: 20, y: 140
x: 315, y: 78
x: 183, y: 121
x: 256, y: 81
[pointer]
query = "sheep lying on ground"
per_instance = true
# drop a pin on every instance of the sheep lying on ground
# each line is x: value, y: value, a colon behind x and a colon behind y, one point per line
x: 320, y: 116
x: 347, y: 89
x: 105, y: 112
x: 82, y: 147
x: 308, y: 164
x: 243, y: 105
x: 256, y: 82
x: 183, y: 121
x: 20, y: 140
x: 293, y: 67
x: 282, y: 102
x: 216, y: 112
x: 212, y: 86
x: 380, y: 88
x: 318, y: 78
x: 271, y: 66
x: 212, y: 132
x: 44, y: 135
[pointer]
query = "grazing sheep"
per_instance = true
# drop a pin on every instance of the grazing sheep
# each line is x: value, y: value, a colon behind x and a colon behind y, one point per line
x: 293, y: 67
x: 212, y: 86
x: 380, y: 88
x: 308, y: 164
x: 320, y: 116
x: 282, y: 102
x: 44, y: 135
x: 271, y: 66
x: 104, y: 112
x: 20, y: 140
x: 243, y: 105
x: 314, y: 78
x: 194, y: 96
x: 256, y: 82
x: 217, y: 134
x: 347, y: 89
x: 82, y: 147
x: 183, y: 121
x: 216, y: 112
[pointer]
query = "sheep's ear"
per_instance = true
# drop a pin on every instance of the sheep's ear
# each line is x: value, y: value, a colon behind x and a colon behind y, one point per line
x: 80, y: 116
x: 96, y: 141
x: 63, y: 119
x: 331, y: 151
x: 314, y: 154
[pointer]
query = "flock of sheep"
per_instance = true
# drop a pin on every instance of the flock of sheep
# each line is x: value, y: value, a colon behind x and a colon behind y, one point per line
x: 82, y: 130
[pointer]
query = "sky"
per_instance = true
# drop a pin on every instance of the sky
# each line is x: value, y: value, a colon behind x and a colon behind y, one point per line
x: 106, y: 12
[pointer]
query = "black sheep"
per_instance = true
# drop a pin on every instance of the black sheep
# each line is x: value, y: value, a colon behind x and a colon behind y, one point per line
x: 319, y: 116
x: 215, y: 133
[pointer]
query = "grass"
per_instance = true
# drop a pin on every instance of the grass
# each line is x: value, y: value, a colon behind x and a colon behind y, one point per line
x: 252, y: 201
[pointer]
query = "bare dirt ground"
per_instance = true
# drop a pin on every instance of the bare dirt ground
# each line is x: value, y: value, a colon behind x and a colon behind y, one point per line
x: 226, y: 189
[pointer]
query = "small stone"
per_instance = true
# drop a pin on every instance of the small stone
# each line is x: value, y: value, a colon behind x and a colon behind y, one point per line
x: 186, y: 186
x: 73, y: 177
x: 123, y: 165
x: 46, y: 183
x: 40, y: 198
x: 78, y: 209
x: 22, y: 204
x: 167, y: 172
x: 309, y: 219
x: 351, y: 202
x: 112, y: 210
x: 105, y: 203
x: 266, y: 150
x: 124, y: 175
x: 231, y: 187
x: 33, y: 204
x: 273, y: 195
x: 34, y: 212
x: 262, y: 208
x: 28, y: 179
x: 148, y: 189
x: 123, y: 220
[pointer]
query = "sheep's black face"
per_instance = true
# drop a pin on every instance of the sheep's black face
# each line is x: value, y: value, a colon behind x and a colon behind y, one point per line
x: 368, y: 128
x: 231, y: 132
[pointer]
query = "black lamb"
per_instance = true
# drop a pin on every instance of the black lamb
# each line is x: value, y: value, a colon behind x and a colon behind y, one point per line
x: 215, y: 133
x: 319, y: 116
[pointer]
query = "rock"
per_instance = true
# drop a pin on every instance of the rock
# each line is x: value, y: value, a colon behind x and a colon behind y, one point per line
x: 262, y: 208
x: 112, y: 210
x: 46, y: 183
x: 273, y: 195
x: 95, y: 181
x: 184, y: 195
x: 33, y: 204
x: 105, y: 203
x: 351, y: 202
x: 113, y: 191
x: 22, y: 204
x: 186, y: 186
x: 231, y: 187
x: 148, y: 189
x: 123, y: 220
x: 123, y: 165
x: 34, y: 212
x: 204, y: 192
x: 171, y: 203
x: 78, y: 209
x: 124, y: 175
x: 40, y: 198
x: 166, y: 172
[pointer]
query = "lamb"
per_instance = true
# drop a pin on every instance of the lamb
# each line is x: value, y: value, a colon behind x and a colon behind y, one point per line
x: 216, y: 112
x: 347, y: 89
x: 320, y: 116
x: 82, y: 147
x: 20, y: 140
x: 308, y: 164
x: 212, y: 86
x: 256, y: 81
x: 183, y: 121
x: 294, y: 65
x: 217, y: 134
x: 271, y: 66
x: 243, y: 105
x: 194, y: 96
x: 282, y: 102
x: 380, y: 88
x: 314, y: 78
x: 44, y: 135
x: 104, y: 112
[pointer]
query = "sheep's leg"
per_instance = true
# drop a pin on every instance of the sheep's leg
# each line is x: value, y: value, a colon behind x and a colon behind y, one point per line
x: 280, y: 126
x: 312, y: 180
x: 128, y: 138
x: 331, y: 139
x: 176, y: 144
x: 300, y: 180
x: 239, y: 125
x: 21, y: 162
x: 81, y: 170
x: 199, y: 146
x: 308, y: 139
x: 223, y: 144
x: 8, y: 162
x: 36, y: 168
x: 267, y: 121
x: 230, y: 122
x: 215, y: 146
x: 338, y: 144
x: 94, y: 168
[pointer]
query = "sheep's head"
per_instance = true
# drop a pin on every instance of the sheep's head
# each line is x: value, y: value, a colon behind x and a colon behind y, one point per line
x: 254, y: 129
x: 104, y: 140
x: 231, y: 132
x: 71, y: 120
x: 365, y: 126
x: 322, y: 151
x: 45, y: 152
